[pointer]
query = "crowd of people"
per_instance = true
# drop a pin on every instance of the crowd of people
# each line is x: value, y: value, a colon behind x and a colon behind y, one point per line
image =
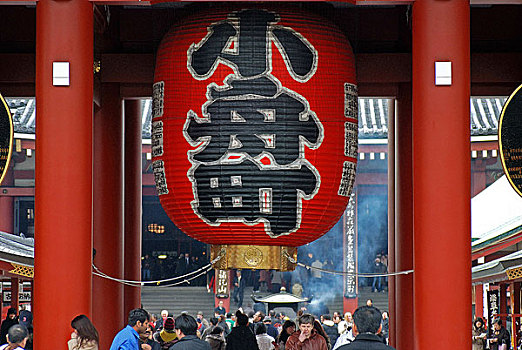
x: 17, y: 329
x: 366, y: 329
x: 249, y: 331
x: 154, y: 268
x: 498, y: 339
x: 305, y: 282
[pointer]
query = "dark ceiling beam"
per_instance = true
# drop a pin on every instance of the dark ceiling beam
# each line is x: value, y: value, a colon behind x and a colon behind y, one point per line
x: 377, y: 74
x: 495, y: 68
x: 127, y: 68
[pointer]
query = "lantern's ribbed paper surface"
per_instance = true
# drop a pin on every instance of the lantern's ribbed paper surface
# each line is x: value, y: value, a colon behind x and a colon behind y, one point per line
x: 254, y: 136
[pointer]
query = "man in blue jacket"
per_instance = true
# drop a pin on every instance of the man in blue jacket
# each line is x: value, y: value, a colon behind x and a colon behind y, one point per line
x: 128, y: 337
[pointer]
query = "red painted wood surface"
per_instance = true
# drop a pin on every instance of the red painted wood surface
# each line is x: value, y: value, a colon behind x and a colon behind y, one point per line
x: 63, y: 198
x: 404, y: 216
x: 133, y: 198
x: 108, y: 226
x: 441, y: 175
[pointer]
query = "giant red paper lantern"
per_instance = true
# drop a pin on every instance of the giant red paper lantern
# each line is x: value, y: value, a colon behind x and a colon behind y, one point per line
x: 254, y: 136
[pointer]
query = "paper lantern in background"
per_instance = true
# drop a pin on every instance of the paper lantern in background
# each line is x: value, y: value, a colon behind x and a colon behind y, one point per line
x: 254, y: 135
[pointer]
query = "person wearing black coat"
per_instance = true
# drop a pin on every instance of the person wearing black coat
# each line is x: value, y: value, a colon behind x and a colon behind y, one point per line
x: 239, y: 288
x: 215, y: 339
x: 241, y: 336
x: 367, y: 323
x: 186, y: 328
x: 330, y: 328
x: 500, y: 336
x: 270, y: 330
x: 10, y: 320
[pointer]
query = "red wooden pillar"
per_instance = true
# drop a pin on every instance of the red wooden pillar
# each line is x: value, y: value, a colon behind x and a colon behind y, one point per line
x: 479, y: 300
x: 350, y: 304
x: 133, y: 183
x: 391, y: 220
x: 108, y: 214
x: 404, y: 218
x: 63, y: 174
x: 15, y: 302
x: 441, y: 175
x: 7, y: 203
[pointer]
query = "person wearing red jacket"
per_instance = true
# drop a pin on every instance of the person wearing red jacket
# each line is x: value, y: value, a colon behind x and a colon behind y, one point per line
x: 306, y: 338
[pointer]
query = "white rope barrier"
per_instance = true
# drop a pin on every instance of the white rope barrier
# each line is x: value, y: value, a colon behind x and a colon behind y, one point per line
x: 345, y: 273
x: 181, y: 279
x: 205, y: 269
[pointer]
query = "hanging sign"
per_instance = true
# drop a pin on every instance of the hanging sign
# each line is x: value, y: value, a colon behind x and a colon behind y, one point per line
x: 510, y: 139
x: 222, y: 284
x: 6, y: 137
x: 350, y: 251
x: 493, y: 299
x: 23, y: 297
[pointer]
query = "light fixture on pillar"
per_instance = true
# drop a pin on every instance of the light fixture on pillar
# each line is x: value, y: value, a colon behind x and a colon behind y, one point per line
x: 61, y: 73
x: 442, y: 73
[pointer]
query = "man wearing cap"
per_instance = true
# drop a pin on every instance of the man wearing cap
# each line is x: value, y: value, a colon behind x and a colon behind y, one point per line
x: 367, y: 324
x: 203, y: 319
x: 270, y: 330
x: 186, y: 328
x: 166, y: 337
x: 9, y: 321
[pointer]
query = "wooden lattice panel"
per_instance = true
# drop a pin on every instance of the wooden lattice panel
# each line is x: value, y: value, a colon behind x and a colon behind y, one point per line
x: 514, y: 273
x: 22, y: 270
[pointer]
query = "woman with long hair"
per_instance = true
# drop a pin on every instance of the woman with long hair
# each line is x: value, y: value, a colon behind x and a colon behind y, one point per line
x: 320, y: 330
x: 287, y: 330
x: 84, y: 335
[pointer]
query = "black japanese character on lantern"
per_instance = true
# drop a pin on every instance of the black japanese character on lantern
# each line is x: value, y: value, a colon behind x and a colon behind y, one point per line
x: 252, y: 128
x: 247, y: 192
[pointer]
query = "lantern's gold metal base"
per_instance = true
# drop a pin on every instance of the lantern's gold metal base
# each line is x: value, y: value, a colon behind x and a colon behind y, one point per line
x: 259, y: 257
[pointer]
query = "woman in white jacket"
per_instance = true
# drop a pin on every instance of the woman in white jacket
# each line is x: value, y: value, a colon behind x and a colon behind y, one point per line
x: 264, y: 341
